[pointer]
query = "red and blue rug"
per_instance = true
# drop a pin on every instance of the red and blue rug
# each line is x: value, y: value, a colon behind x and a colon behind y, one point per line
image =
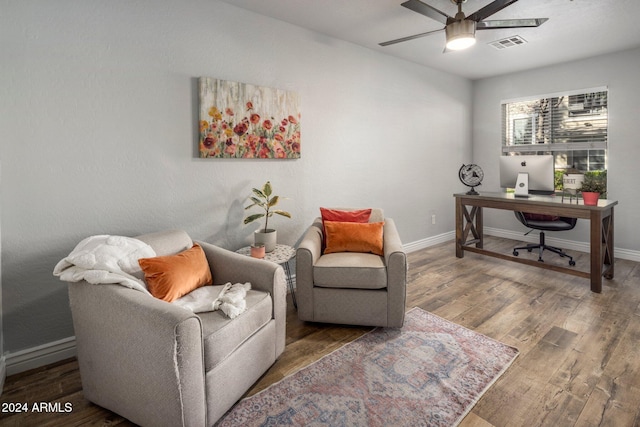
x: 431, y: 372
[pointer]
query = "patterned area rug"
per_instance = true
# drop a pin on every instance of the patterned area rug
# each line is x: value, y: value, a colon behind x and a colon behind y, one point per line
x: 429, y: 373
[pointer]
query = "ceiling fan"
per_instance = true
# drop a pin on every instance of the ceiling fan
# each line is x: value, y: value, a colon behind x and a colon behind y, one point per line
x: 460, y: 30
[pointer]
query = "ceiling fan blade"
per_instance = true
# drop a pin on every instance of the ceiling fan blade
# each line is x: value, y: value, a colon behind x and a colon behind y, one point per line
x: 426, y: 10
x: 490, y: 9
x: 404, y: 39
x: 510, y: 23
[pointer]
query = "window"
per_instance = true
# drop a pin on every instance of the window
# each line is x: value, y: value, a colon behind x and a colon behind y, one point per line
x: 571, y: 126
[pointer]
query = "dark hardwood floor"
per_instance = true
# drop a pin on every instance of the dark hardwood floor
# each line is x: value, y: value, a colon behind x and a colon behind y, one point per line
x: 579, y: 362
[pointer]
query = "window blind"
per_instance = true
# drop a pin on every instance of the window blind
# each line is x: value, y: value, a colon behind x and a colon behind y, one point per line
x: 557, y: 123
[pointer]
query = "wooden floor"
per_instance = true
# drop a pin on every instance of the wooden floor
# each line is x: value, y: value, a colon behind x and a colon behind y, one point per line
x: 579, y: 362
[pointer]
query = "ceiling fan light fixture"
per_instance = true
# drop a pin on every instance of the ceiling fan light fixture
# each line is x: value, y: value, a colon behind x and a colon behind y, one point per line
x: 461, y: 34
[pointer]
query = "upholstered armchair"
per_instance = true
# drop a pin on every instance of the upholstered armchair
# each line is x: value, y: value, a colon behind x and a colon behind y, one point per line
x: 159, y: 364
x: 351, y: 287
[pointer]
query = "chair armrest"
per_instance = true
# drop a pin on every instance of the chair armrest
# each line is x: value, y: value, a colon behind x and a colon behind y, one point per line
x: 139, y: 356
x: 308, y: 252
x: 227, y: 266
x: 392, y: 243
x: 396, y: 261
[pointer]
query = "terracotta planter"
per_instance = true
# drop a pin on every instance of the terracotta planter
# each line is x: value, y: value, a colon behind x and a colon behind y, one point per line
x: 257, y: 251
x: 268, y: 239
x: 590, y: 199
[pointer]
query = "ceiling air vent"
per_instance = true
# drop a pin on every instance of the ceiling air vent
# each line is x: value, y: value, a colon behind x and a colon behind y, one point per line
x: 508, y: 42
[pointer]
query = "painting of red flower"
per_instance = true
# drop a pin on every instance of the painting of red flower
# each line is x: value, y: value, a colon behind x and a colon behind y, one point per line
x: 240, y: 120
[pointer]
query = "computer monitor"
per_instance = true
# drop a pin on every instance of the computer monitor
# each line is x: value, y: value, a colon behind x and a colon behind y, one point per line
x: 540, y: 170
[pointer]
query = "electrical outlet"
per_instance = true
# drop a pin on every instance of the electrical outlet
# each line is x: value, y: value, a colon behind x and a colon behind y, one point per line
x: 433, y: 219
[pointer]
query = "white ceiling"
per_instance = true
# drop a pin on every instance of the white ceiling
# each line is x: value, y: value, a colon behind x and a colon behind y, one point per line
x: 576, y: 29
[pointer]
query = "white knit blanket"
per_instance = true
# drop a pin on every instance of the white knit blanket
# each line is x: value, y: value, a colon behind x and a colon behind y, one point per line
x: 106, y: 259
x: 231, y: 299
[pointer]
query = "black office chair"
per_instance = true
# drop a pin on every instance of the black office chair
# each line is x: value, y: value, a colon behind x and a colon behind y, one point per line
x: 545, y: 223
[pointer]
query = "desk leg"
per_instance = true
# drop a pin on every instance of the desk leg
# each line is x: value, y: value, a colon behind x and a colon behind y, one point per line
x: 459, y: 228
x: 602, y: 248
x: 607, y: 236
x: 479, y: 228
x: 287, y: 270
x: 472, y: 224
x: 468, y: 221
x: 596, y: 251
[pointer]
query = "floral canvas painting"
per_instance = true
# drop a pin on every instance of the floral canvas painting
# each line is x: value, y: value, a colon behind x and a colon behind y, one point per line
x: 240, y: 120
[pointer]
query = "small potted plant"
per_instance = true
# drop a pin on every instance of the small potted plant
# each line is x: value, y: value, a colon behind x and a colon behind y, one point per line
x: 265, y: 200
x: 594, y: 185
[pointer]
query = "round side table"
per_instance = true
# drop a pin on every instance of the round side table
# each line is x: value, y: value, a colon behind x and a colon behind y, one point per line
x: 282, y: 254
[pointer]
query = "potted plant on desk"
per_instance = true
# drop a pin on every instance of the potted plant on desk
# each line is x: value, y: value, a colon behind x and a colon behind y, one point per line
x: 593, y: 186
x: 265, y: 200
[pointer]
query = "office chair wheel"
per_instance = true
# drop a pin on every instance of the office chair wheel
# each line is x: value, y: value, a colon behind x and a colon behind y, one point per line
x: 572, y: 263
x: 515, y: 253
x: 529, y: 250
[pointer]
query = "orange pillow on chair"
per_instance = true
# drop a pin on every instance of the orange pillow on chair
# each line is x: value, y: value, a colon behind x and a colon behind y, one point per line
x: 170, y: 277
x: 354, y: 237
x: 357, y: 215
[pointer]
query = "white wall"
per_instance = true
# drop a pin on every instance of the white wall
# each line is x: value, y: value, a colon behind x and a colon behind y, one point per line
x: 619, y: 72
x: 98, y: 116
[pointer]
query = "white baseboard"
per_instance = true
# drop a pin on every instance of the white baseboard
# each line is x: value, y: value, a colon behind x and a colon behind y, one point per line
x: 41, y: 355
x: 429, y: 241
x: 627, y: 254
x: 45, y: 354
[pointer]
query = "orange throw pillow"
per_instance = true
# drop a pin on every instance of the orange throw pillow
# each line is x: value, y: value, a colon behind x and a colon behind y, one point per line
x: 358, y: 215
x: 170, y: 277
x: 354, y: 237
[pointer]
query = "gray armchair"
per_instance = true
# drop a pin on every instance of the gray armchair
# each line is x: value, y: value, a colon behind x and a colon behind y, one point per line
x: 158, y: 364
x: 350, y: 287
